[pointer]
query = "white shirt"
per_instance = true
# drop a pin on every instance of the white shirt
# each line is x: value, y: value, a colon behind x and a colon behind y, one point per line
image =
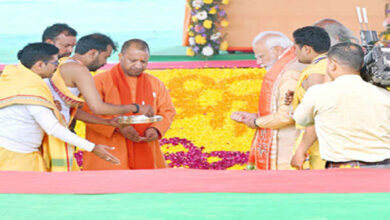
x: 65, y: 108
x: 351, y: 117
x: 22, y: 128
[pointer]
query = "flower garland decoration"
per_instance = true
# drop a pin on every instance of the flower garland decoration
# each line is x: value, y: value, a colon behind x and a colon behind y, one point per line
x: 196, y: 158
x: 208, y: 17
x: 202, y: 135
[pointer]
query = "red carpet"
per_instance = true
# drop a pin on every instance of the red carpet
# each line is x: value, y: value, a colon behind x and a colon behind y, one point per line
x: 187, y: 180
x: 203, y: 64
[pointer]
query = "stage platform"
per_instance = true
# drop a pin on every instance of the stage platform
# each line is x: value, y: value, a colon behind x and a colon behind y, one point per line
x: 196, y: 194
x: 240, y: 60
x: 180, y: 180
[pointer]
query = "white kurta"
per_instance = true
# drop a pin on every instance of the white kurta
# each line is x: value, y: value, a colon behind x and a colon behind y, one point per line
x: 351, y: 117
x: 22, y: 128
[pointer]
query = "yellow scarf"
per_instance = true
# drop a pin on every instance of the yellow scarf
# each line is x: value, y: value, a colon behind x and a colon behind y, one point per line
x: 19, y: 85
x: 59, y: 86
x: 318, y: 66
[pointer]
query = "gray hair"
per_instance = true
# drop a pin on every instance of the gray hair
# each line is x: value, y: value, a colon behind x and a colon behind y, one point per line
x: 338, y: 33
x: 278, y: 39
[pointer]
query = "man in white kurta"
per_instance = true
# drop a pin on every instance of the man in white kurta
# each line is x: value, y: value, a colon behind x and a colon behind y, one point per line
x: 351, y: 116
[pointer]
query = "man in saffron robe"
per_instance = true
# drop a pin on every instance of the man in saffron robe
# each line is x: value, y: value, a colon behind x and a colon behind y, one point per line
x: 136, y: 146
x: 275, y: 132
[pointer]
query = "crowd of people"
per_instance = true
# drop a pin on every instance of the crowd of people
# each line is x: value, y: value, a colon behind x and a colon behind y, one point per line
x: 340, y: 120
x: 41, y: 97
x: 315, y: 111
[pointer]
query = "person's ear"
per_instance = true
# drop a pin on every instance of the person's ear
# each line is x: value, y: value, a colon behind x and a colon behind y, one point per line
x: 40, y: 64
x: 332, y: 66
x: 49, y: 41
x: 307, y: 49
x: 278, y: 50
x: 120, y: 55
x: 93, y: 54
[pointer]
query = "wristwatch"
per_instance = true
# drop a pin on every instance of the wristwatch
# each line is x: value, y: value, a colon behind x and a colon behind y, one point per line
x: 254, y: 122
x: 137, y: 106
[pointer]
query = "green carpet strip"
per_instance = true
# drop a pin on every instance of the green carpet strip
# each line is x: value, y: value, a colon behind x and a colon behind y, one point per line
x: 196, y: 206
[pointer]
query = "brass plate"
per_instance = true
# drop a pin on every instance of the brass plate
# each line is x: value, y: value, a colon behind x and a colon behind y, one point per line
x: 138, y: 119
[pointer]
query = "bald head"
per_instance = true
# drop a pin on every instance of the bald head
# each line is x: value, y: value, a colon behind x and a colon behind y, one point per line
x: 135, y: 44
x: 338, y: 33
x: 268, y: 46
x: 134, y: 57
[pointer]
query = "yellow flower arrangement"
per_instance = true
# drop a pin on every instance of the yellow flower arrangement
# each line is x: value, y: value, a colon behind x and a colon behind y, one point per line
x: 224, y: 45
x: 190, y: 52
x: 199, y: 39
x: 224, y: 23
x: 225, y: 2
x: 207, y: 24
x: 204, y: 100
x: 213, y: 11
x: 211, y: 95
x: 213, y: 159
x: 206, y: 17
x: 237, y: 167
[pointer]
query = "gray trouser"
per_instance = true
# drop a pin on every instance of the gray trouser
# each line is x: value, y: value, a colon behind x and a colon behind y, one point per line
x: 377, y: 166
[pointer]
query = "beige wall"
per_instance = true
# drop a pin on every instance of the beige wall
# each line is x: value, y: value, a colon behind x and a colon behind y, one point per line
x: 249, y: 17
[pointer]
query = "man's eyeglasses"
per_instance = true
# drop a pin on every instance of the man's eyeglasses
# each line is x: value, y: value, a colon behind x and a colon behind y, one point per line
x: 55, y: 63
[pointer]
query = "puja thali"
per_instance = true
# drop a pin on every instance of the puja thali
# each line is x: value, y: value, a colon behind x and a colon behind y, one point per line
x: 139, y: 119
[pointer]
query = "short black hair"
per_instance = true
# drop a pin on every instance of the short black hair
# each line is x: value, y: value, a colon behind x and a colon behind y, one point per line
x: 95, y: 41
x: 349, y: 54
x: 53, y: 31
x: 138, y: 43
x: 313, y: 36
x: 35, y: 52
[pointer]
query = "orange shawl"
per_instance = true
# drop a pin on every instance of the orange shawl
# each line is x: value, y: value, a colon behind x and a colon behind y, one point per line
x: 262, y: 143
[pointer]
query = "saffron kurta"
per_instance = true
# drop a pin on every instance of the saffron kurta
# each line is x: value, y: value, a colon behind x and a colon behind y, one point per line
x: 272, y: 145
x: 132, y: 155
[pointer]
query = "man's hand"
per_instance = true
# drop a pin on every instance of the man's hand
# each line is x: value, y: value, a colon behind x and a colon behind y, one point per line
x: 58, y: 105
x: 151, y: 134
x: 241, y: 116
x: 146, y: 110
x: 250, y: 121
x: 288, y: 97
x: 298, y: 159
x: 100, y: 150
x: 130, y: 133
x: 113, y: 122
